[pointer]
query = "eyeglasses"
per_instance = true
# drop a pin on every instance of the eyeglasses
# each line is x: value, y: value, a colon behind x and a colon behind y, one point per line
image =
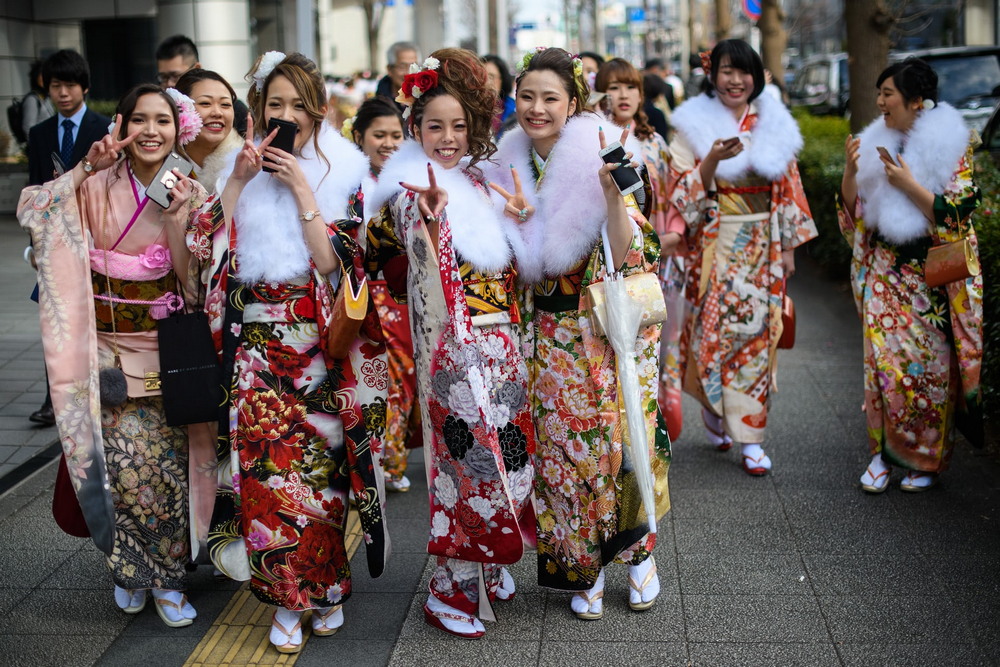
x: 168, y: 77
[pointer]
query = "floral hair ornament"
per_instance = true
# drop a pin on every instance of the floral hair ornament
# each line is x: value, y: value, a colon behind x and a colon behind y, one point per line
x: 188, y: 121
x: 347, y: 129
x: 420, y: 79
x: 706, y: 61
x: 928, y: 105
x: 526, y: 59
x: 267, y: 64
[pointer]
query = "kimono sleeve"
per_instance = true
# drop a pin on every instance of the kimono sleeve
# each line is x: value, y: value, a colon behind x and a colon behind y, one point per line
x: 795, y: 218
x: 385, y: 254
x: 954, y: 207
x: 690, y: 195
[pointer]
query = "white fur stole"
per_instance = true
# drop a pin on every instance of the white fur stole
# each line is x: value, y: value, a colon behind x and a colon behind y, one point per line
x: 570, y: 208
x: 479, y: 235
x: 932, y: 149
x: 773, y: 143
x: 270, y: 244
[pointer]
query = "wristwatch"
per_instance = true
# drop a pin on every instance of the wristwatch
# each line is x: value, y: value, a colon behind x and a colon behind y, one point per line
x: 308, y: 215
x: 87, y: 167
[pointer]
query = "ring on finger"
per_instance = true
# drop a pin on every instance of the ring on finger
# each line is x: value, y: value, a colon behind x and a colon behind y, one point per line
x: 277, y: 161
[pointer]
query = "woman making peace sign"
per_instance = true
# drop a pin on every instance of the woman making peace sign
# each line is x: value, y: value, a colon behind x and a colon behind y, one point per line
x: 110, y: 264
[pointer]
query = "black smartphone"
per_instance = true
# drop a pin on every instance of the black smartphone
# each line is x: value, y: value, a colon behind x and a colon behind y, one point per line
x: 626, y: 178
x: 285, y: 139
x: 166, y: 179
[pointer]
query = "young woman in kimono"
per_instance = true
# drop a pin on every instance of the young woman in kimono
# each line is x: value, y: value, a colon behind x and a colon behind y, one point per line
x: 588, y: 509
x: 109, y: 262
x: 213, y: 98
x: 269, y: 302
x: 432, y: 205
x: 377, y: 129
x: 621, y: 84
x: 923, y: 345
x: 738, y: 189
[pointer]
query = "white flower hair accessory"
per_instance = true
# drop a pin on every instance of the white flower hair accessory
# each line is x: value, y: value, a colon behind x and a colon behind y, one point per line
x: 267, y: 64
x: 928, y: 105
x: 188, y: 121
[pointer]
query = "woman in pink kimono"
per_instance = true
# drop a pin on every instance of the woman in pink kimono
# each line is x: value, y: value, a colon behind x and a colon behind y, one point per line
x: 738, y: 189
x: 586, y: 498
x: 923, y: 345
x: 299, y: 423
x: 472, y: 379
x: 110, y: 264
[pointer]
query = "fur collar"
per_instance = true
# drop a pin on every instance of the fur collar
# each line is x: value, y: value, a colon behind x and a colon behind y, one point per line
x: 932, y: 149
x: 479, y: 234
x: 774, y: 140
x: 208, y: 174
x: 270, y: 245
x: 569, y: 206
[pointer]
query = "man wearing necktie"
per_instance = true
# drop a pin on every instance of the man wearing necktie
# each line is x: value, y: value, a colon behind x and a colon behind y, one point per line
x: 66, y: 137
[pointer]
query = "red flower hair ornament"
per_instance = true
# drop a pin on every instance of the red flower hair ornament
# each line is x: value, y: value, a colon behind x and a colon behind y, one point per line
x: 420, y: 79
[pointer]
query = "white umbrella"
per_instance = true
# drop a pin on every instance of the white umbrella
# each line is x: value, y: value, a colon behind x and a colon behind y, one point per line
x: 621, y: 326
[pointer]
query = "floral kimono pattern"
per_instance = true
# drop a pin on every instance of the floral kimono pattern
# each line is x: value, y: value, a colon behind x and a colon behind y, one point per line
x: 301, y: 430
x: 125, y: 462
x: 588, y: 509
x: 922, y: 345
x: 478, y: 435
x: 736, y: 234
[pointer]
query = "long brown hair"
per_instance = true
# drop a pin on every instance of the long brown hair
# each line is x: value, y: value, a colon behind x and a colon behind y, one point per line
x: 619, y: 70
x: 305, y: 77
x: 463, y: 76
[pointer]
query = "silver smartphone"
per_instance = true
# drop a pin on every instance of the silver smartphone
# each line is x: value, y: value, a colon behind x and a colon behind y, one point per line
x: 626, y: 178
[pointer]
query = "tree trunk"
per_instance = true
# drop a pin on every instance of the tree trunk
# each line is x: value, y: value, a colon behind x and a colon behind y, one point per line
x: 774, y: 39
x: 723, y: 20
x: 868, y: 24
x: 372, y: 24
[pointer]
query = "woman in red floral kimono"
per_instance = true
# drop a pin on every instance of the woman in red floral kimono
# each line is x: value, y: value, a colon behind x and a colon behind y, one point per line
x: 478, y: 435
x: 738, y: 189
x: 377, y: 129
x: 297, y: 423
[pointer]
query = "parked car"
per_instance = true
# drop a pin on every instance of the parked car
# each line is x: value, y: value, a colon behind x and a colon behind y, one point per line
x: 991, y: 136
x: 822, y: 85
x: 968, y: 78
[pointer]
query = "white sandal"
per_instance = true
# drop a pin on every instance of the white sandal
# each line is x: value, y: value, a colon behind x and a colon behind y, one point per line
x: 506, y: 590
x: 172, y: 611
x: 916, y: 481
x: 876, y: 476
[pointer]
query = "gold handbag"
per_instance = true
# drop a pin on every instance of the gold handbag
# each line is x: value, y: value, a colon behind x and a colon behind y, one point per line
x: 643, y: 288
x: 949, y: 262
x: 349, y: 310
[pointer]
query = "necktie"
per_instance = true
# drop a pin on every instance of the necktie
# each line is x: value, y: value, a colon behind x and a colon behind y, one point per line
x: 66, y: 150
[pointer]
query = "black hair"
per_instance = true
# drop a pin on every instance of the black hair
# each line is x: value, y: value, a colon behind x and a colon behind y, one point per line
x: 654, y: 63
x: 33, y: 74
x: 66, y: 65
x: 694, y: 61
x: 372, y: 108
x: 506, y: 79
x: 913, y: 78
x: 653, y: 86
x: 186, y: 83
x: 560, y: 62
x: 127, y: 104
x: 596, y: 57
x: 177, y: 45
x: 741, y: 56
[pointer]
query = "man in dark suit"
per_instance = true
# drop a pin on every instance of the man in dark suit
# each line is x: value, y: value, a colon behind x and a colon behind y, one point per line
x: 74, y: 128
x: 68, y: 134
x: 399, y: 57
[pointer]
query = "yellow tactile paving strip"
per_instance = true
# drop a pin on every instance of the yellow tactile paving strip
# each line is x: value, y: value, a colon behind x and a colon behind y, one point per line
x: 239, y: 634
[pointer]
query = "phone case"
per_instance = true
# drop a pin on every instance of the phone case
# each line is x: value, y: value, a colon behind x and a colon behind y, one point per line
x: 626, y: 178
x: 159, y: 190
x: 285, y: 139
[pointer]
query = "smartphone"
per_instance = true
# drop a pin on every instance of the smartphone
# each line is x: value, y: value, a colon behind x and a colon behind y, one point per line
x: 884, y: 152
x: 285, y: 139
x: 730, y: 142
x: 626, y: 178
x: 58, y: 168
x: 165, y: 179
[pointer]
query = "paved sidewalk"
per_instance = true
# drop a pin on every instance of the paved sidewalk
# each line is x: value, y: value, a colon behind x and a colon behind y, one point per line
x: 797, y: 568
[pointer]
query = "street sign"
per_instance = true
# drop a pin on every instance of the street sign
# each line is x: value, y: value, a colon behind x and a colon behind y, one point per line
x: 752, y: 9
x: 636, y: 14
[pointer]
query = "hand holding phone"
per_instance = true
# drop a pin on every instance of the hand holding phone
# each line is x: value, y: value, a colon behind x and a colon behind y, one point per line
x: 625, y: 177
x: 166, y: 179
x: 884, y: 152
x: 284, y: 140
x: 730, y: 143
